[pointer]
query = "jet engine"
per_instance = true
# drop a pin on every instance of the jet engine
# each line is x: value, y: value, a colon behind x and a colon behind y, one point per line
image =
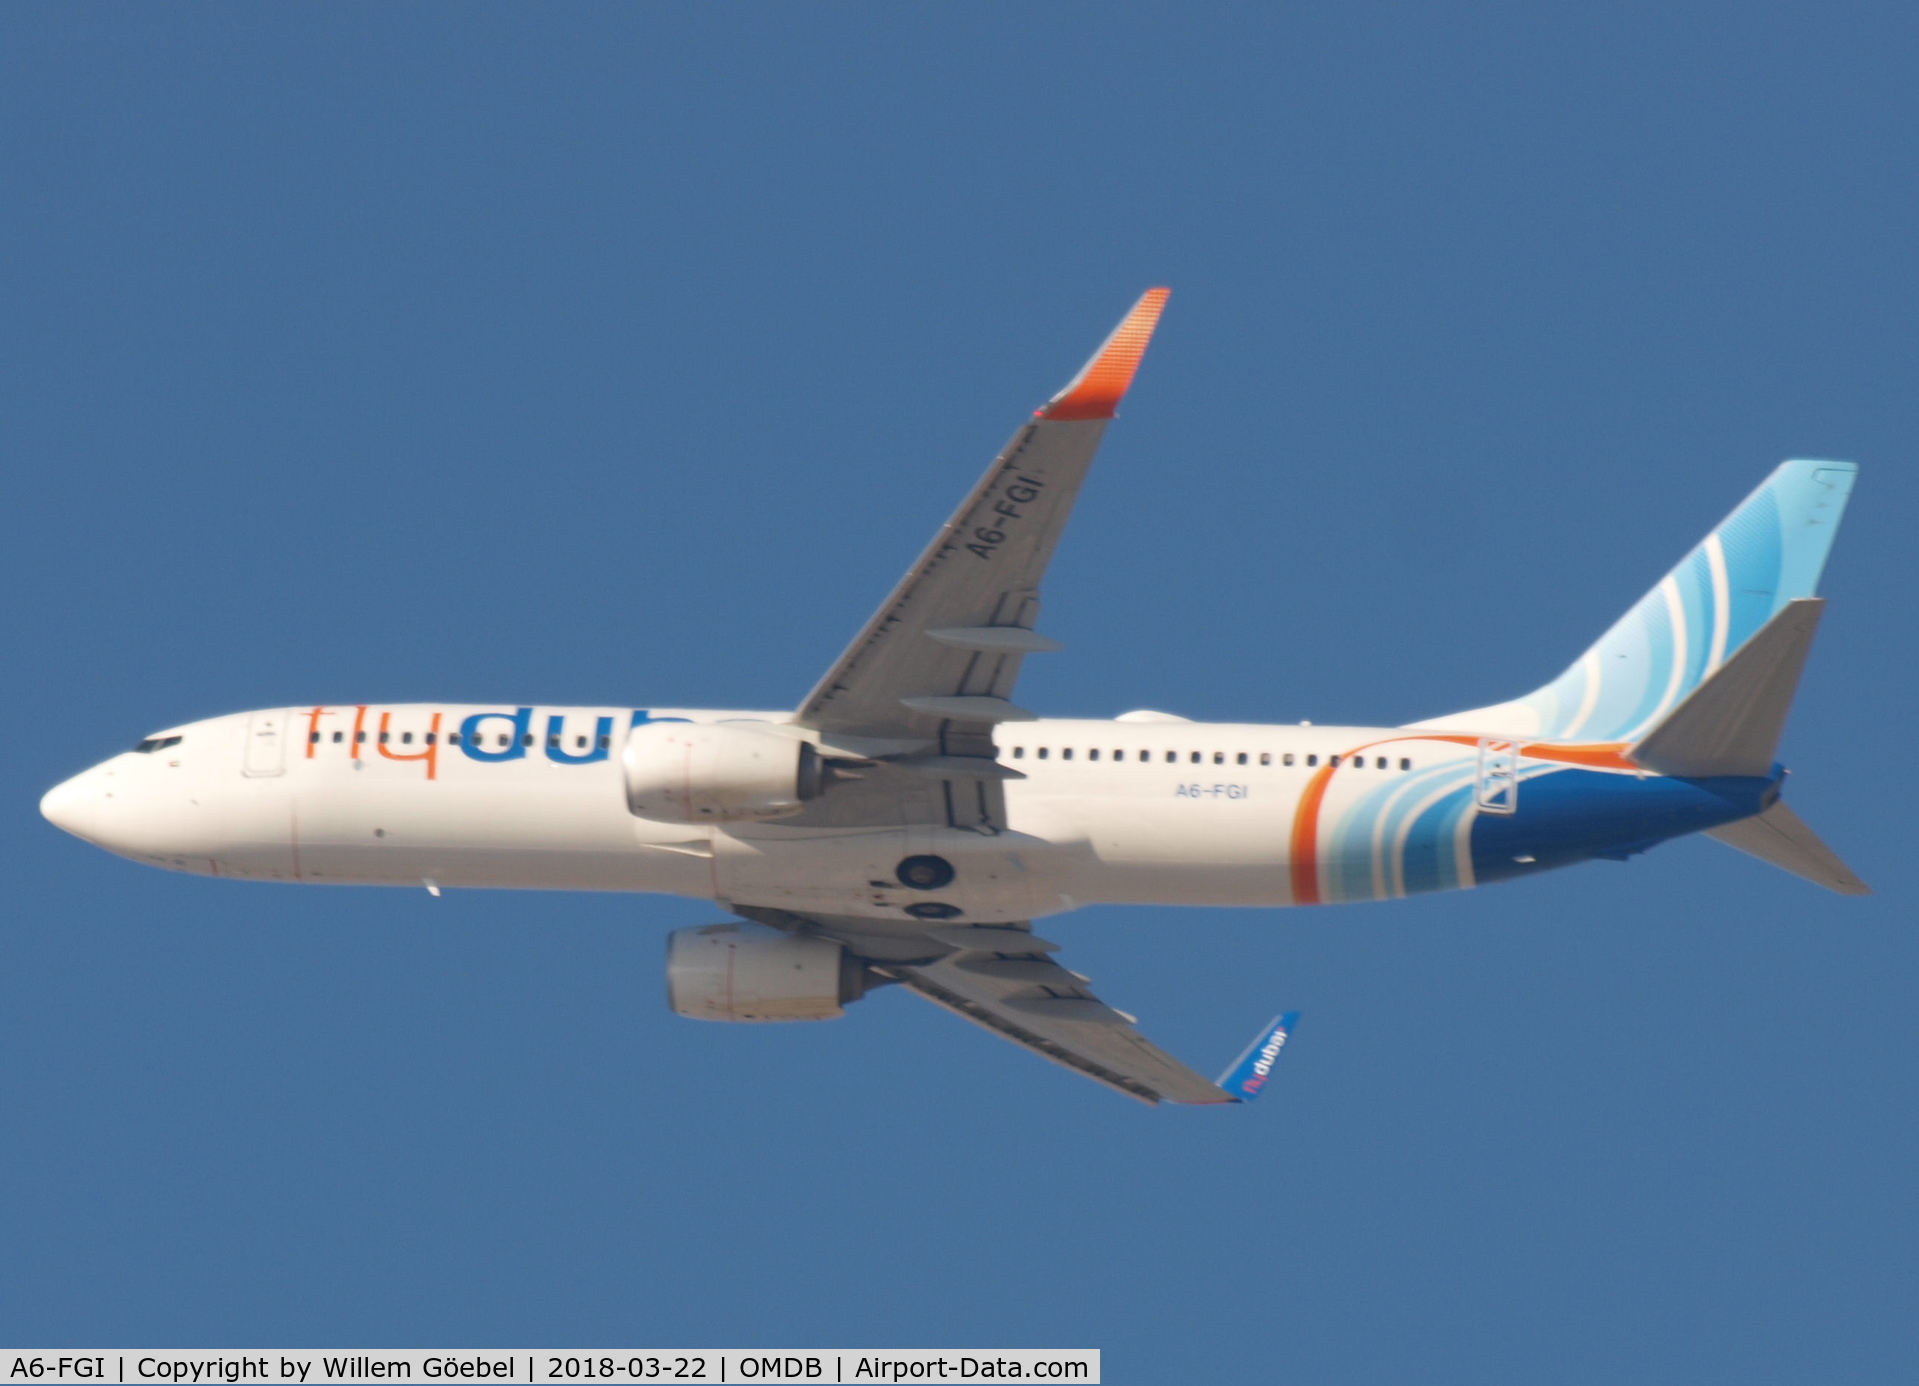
x: 739, y: 971
x: 718, y: 772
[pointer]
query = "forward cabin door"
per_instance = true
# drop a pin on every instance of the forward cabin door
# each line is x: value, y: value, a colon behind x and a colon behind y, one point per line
x: 266, y: 749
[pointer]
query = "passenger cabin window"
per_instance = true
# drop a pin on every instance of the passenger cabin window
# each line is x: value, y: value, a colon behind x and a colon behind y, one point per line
x: 1265, y: 757
x: 1042, y: 753
x: 338, y: 737
x: 1312, y: 760
x: 605, y: 741
x: 1093, y: 754
x: 452, y: 738
x: 527, y: 740
x: 359, y: 738
x: 1242, y: 758
x: 1286, y: 759
x: 1171, y: 756
x: 1219, y: 757
x: 1196, y: 757
x: 1379, y: 762
x: 1405, y: 763
x: 1066, y: 754
x: 579, y: 743
x: 406, y: 738
x: 1019, y: 753
x: 502, y: 739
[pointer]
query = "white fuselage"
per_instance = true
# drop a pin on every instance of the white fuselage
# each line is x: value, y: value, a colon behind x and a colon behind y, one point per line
x: 1150, y: 812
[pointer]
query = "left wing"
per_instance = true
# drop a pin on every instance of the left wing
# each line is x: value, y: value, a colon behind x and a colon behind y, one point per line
x: 1000, y: 977
x: 932, y: 672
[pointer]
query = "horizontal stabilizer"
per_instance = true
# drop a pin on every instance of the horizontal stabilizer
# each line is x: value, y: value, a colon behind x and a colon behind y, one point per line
x: 1730, y: 724
x: 1778, y: 836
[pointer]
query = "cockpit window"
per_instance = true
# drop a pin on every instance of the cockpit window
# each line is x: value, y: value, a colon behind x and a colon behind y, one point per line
x: 157, y: 743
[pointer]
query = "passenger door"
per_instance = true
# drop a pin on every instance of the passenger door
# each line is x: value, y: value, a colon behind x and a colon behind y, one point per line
x: 266, y: 749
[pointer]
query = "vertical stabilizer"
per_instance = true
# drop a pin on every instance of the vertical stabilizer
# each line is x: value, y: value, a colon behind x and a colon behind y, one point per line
x: 1766, y: 554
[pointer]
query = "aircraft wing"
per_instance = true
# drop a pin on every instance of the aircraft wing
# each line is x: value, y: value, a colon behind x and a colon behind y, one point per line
x: 1040, y: 1006
x: 932, y: 672
x: 1000, y: 977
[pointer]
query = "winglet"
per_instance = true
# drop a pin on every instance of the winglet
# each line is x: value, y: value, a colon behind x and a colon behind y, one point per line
x: 1096, y: 391
x: 1250, y: 1070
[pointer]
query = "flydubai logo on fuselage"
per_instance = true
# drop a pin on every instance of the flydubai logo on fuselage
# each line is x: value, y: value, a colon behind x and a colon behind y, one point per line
x: 488, y: 737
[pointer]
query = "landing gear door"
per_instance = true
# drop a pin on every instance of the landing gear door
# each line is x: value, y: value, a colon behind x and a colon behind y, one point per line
x: 266, y: 748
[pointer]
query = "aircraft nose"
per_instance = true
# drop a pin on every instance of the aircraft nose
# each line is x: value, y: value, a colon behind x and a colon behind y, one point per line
x: 75, y: 805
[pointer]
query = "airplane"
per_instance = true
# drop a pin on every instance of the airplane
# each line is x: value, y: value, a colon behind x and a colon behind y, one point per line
x: 908, y: 822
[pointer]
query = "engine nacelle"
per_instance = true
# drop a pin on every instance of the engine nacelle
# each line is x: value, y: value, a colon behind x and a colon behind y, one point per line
x: 741, y: 971
x: 718, y: 772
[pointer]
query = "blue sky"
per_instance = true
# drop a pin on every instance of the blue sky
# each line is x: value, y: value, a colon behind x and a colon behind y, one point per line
x: 627, y: 354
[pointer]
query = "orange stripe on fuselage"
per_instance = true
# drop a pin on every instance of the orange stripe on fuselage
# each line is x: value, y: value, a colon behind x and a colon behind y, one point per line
x: 1595, y: 755
x: 1305, y: 851
x: 1602, y: 755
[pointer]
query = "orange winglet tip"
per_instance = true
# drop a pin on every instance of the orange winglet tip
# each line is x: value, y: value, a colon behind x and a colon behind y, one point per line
x: 1096, y: 391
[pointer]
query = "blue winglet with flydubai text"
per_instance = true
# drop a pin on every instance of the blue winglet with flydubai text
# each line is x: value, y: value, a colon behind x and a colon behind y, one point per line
x: 1250, y: 1071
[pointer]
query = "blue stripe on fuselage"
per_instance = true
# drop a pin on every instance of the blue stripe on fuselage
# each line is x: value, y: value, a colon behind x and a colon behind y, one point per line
x: 1574, y: 814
